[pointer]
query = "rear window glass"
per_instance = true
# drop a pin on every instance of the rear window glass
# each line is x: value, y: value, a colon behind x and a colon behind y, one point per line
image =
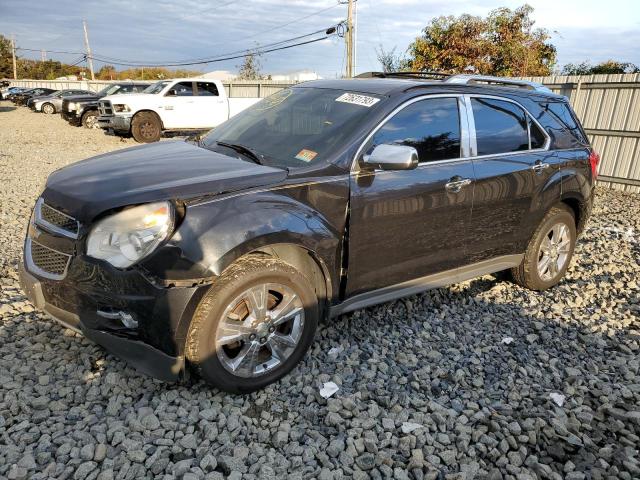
x: 501, y: 127
x: 207, y: 89
x: 537, y: 137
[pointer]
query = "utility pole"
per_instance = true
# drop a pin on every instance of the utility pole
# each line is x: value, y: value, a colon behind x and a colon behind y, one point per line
x: 13, y: 53
x: 88, y: 49
x: 349, y: 39
x: 43, y: 55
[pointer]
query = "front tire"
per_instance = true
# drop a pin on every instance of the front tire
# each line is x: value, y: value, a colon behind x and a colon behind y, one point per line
x: 90, y: 119
x: 146, y: 127
x: 549, y: 252
x: 253, y: 326
x: 48, y: 108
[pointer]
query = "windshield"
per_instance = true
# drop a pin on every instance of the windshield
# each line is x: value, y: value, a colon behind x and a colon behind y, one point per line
x: 156, y: 87
x: 295, y: 127
x: 108, y: 90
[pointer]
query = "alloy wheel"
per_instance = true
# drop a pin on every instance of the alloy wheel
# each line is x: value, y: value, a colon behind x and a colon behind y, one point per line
x: 259, y: 330
x: 554, y: 251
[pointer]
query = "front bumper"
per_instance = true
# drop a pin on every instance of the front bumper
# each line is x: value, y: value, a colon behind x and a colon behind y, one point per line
x: 155, y: 347
x: 71, y: 117
x: 117, y: 123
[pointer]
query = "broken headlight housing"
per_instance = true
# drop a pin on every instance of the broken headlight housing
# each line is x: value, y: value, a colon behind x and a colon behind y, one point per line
x: 121, y: 107
x: 126, y: 237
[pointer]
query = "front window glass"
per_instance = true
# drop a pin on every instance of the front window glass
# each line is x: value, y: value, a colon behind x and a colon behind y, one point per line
x: 295, y: 127
x: 501, y: 127
x: 430, y: 126
x: 156, y: 87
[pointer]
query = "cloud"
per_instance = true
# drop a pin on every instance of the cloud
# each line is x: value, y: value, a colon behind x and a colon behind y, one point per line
x: 161, y: 30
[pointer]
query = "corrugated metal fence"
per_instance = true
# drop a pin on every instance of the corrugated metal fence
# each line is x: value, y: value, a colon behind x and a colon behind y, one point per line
x: 608, y: 107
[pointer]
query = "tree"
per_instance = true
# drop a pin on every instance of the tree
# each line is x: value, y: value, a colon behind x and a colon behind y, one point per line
x: 250, y: 68
x: 609, y: 66
x: 504, y: 44
x: 390, y: 61
x: 6, y: 62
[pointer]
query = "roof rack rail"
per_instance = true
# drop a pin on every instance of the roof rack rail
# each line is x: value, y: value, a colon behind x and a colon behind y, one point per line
x: 424, y: 75
x: 465, y: 79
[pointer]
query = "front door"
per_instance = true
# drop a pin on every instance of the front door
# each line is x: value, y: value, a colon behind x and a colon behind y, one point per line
x: 412, y: 223
x: 512, y: 168
x: 179, y: 106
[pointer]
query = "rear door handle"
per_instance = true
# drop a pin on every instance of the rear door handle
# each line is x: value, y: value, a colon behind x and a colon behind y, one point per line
x: 456, y: 184
x: 540, y: 167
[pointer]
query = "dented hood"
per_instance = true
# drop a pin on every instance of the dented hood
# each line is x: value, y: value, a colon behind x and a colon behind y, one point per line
x: 147, y: 173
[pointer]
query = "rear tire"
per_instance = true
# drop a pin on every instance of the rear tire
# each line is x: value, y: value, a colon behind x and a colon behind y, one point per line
x: 146, y: 127
x: 90, y: 119
x: 48, y: 108
x: 253, y: 326
x: 549, y: 252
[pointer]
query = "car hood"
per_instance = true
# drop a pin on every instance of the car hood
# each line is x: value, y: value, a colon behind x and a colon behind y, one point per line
x: 83, y: 98
x: 147, y: 173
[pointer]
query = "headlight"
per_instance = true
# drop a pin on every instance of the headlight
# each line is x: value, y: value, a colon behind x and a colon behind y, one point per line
x: 73, y: 106
x: 128, y: 236
x: 120, y: 107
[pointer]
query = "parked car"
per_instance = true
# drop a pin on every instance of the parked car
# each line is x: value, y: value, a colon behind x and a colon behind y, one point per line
x: 50, y: 104
x: 11, y: 91
x: 170, y: 105
x: 83, y: 110
x: 5, y: 89
x: 222, y: 254
x: 21, y: 98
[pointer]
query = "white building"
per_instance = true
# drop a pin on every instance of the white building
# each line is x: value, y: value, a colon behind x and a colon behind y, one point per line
x: 222, y: 75
x: 299, y: 76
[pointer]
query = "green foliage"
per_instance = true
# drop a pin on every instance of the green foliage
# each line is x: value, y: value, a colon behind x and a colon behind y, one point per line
x: 108, y: 72
x: 391, y: 61
x: 609, y: 66
x: 6, y: 63
x: 504, y: 44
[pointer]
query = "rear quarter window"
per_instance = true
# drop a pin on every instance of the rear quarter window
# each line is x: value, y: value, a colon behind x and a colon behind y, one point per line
x: 566, y: 125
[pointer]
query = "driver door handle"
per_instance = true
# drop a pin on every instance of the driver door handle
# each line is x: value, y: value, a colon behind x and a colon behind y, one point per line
x: 539, y: 167
x: 456, y: 184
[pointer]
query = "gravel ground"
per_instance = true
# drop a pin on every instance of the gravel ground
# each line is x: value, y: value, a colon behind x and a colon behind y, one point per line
x: 429, y: 387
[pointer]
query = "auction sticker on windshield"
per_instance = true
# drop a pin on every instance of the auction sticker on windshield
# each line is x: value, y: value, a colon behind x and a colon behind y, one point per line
x: 306, y: 155
x: 357, y: 99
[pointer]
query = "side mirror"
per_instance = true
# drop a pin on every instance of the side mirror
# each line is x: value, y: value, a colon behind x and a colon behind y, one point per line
x: 172, y: 93
x: 392, y: 157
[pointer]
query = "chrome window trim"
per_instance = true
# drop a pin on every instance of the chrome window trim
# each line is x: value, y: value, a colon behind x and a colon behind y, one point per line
x: 50, y: 226
x: 547, y: 142
x: 471, y: 148
x: 33, y: 268
x: 355, y: 166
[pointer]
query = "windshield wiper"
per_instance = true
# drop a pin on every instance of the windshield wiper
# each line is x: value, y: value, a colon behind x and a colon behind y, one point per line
x: 246, y: 151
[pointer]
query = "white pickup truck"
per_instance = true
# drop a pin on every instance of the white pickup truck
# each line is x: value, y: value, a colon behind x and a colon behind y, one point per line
x: 170, y: 105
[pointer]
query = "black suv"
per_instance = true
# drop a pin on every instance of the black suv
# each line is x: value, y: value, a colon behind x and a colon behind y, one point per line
x: 83, y: 109
x: 223, y: 253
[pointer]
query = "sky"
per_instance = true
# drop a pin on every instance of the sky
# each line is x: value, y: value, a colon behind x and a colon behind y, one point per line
x: 168, y: 30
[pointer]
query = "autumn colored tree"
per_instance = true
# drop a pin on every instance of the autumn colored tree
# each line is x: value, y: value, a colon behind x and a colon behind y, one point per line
x: 6, y: 63
x: 250, y: 68
x: 503, y: 44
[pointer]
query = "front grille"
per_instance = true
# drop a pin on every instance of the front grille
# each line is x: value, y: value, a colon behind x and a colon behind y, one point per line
x: 55, y: 221
x: 105, y: 108
x: 47, y: 262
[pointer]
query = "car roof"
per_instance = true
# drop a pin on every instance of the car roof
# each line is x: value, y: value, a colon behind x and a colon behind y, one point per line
x: 389, y: 85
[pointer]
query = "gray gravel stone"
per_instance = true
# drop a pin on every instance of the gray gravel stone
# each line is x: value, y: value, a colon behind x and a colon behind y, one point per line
x: 436, y: 359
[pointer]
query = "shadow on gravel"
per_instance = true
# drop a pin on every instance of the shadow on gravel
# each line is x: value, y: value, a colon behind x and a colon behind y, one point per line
x: 7, y: 109
x: 439, y: 360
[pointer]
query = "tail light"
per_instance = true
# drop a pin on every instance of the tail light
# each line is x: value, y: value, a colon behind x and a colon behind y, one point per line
x: 594, y: 159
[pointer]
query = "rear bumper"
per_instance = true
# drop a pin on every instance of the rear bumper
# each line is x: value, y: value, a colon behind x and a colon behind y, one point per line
x: 127, y: 344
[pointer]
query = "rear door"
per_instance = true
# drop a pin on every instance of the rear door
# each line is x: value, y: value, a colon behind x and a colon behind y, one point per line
x: 412, y: 223
x: 512, y: 167
x: 211, y: 107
